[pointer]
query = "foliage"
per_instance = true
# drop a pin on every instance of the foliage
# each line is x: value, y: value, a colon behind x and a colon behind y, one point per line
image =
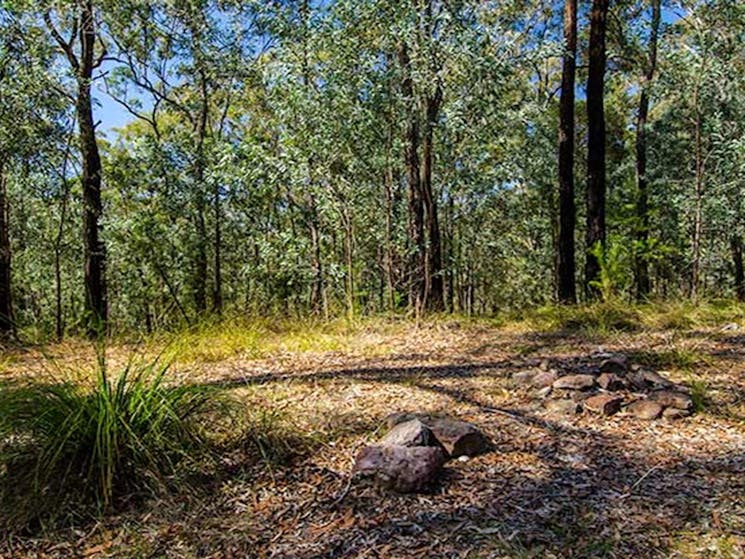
x: 121, y: 436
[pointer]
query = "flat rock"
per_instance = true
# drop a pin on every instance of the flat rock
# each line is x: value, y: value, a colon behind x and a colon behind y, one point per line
x: 544, y: 392
x: 610, y: 381
x: 645, y: 409
x: 673, y: 399
x: 575, y: 382
x: 544, y: 379
x: 604, y: 404
x: 563, y: 407
x: 458, y: 438
x: 675, y: 413
x: 410, y: 433
x: 404, y: 469
x: 644, y: 379
x: 401, y: 417
x: 617, y: 365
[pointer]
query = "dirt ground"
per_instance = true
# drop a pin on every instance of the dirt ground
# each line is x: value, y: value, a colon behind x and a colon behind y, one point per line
x: 579, y: 487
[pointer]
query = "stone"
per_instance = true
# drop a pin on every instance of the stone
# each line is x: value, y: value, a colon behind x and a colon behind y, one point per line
x: 563, y: 407
x: 644, y: 379
x: 401, y: 417
x: 675, y: 413
x: 645, y: 409
x: 458, y: 438
x: 404, y: 469
x: 524, y: 378
x: 604, y: 404
x: 673, y: 399
x: 545, y: 365
x: 544, y: 379
x: 544, y: 392
x: 617, y: 365
x: 410, y: 433
x: 575, y: 382
x: 610, y: 381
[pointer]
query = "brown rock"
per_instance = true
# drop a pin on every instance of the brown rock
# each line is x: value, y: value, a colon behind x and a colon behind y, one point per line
x: 575, y: 382
x: 644, y: 379
x: 563, y: 407
x: 604, y: 404
x: 401, y: 417
x: 544, y: 392
x: 645, y: 409
x: 675, y: 413
x: 544, y: 379
x: 617, y: 365
x: 410, y: 433
x: 400, y: 468
x: 458, y: 438
x: 673, y: 399
x: 610, y: 381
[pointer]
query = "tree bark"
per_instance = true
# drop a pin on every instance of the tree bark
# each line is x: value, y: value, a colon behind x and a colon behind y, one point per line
x: 567, y: 291
x: 739, y: 273
x: 595, y: 194
x: 434, y: 290
x: 699, y: 197
x: 417, y: 264
x: 641, y: 261
x: 95, y: 251
x: 6, y: 299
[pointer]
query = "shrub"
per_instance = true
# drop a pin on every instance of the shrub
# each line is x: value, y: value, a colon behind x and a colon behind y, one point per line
x: 64, y: 442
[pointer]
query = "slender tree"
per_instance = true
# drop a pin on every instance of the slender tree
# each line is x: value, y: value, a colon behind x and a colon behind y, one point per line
x: 595, y: 193
x: 567, y: 212
x: 641, y: 264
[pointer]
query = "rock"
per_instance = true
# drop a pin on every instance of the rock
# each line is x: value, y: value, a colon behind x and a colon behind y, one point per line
x: 400, y: 468
x: 545, y: 365
x: 544, y: 379
x: 645, y: 409
x: 577, y: 395
x: 401, y: 417
x: 524, y: 378
x: 604, y: 404
x: 458, y: 438
x: 673, y: 399
x: 544, y: 392
x: 617, y: 365
x: 563, y: 407
x: 410, y: 433
x: 610, y: 381
x: 463, y: 458
x: 575, y: 382
x: 675, y: 413
x: 644, y: 379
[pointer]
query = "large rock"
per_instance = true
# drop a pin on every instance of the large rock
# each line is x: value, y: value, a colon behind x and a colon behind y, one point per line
x: 610, y: 381
x: 544, y: 379
x: 524, y: 378
x: 575, y: 382
x: 410, y: 433
x: 605, y: 404
x: 400, y: 468
x: 401, y: 417
x: 673, y: 399
x: 675, y: 413
x: 458, y: 438
x: 644, y: 380
x: 645, y: 409
x: 617, y: 365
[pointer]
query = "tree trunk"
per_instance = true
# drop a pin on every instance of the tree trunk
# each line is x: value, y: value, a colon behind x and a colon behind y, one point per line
x: 595, y: 194
x: 699, y: 198
x: 736, y: 247
x: 217, y: 295
x: 6, y: 300
x: 567, y: 291
x: 641, y: 263
x: 417, y: 263
x: 434, y: 290
x: 95, y: 251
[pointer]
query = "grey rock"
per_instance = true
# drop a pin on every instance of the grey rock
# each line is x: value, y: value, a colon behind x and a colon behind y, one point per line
x: 673, y: 399
x: 544, y: 379
x: 617, y: 365
x: 544, y: 392
x: 575, y: 382
x: 524, y: 378
x: 563, y: 407
x: 400, y: 468
x: 410, y: 433
x: 458, y: 438
x: 675, y: 413
x: 645, y: 409
x: 604, y: 404
x: 610, y: 381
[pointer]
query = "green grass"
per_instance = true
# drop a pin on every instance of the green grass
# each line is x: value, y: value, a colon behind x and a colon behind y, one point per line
x: 66, y: 445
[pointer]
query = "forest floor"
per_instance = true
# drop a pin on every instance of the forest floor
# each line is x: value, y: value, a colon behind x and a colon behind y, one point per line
x: 579, y: 487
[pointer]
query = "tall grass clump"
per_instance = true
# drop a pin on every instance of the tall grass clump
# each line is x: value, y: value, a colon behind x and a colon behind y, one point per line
x: 67, y: 444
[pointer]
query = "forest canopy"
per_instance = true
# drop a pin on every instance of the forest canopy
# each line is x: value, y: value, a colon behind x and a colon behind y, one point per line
x: 353, y: 157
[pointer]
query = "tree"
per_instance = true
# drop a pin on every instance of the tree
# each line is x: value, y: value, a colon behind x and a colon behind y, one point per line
x: 567, y: 214
x: 595, y: 192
